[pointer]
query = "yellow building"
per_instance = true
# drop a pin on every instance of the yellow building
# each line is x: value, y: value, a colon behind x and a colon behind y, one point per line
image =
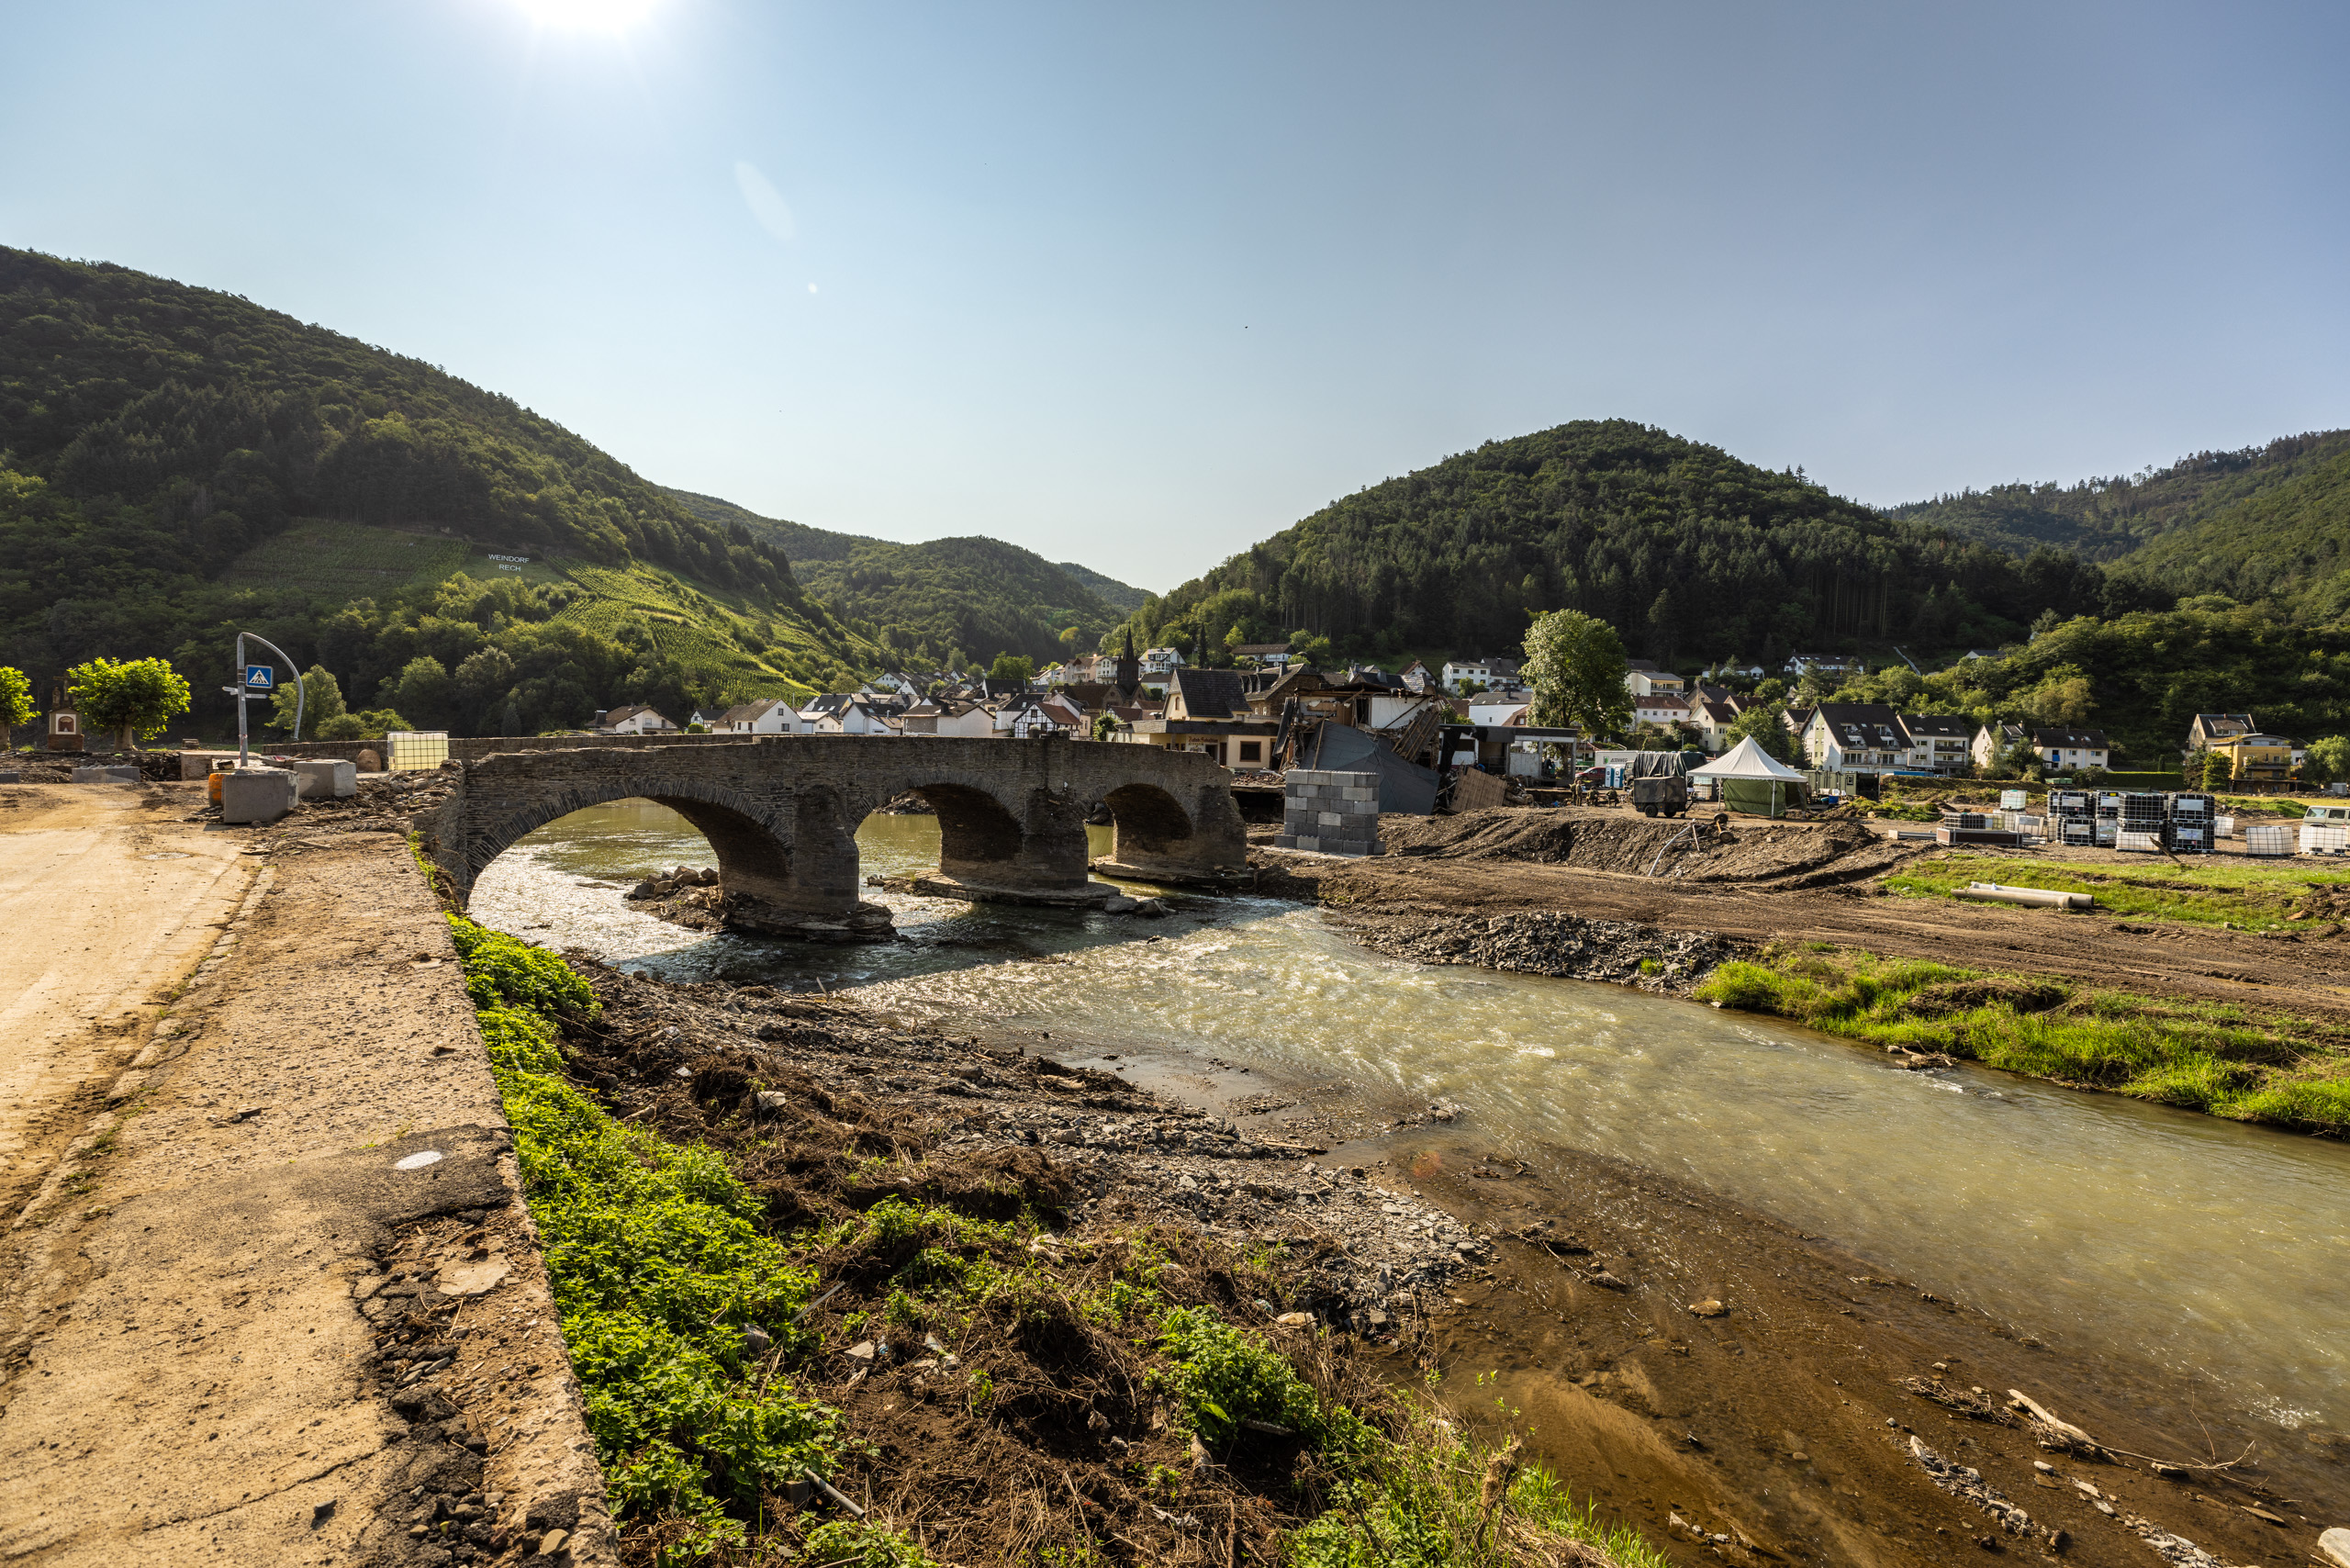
x: 2255, y: 759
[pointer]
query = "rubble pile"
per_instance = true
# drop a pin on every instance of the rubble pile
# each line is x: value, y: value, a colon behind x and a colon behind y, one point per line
x: 1565, y: 946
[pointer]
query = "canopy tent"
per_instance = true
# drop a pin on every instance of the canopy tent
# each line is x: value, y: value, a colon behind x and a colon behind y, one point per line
x: 1747, y: 760
x: 1753, y: 781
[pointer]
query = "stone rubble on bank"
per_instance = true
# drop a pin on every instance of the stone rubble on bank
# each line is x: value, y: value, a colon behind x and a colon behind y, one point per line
x: 1565, y: 946
x: 1134, y: 1155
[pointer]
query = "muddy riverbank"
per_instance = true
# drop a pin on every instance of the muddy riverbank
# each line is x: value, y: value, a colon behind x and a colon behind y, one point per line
x: 1733, y: 1387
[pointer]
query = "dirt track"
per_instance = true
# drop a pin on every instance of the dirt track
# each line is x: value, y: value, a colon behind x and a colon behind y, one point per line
x: 1799, y: 882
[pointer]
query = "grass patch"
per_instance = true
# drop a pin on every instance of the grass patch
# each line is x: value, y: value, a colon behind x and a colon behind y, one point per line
x: 1431, y: 1496
x: 2216, y: 1057
x: 658, y: 1264
x: 2245, y: 896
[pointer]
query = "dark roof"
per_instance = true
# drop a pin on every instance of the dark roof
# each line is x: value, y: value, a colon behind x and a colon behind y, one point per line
x: 1209, y: 693
x: 1863, y: 724
x: 2078, y: 740
x: 1952, y: 725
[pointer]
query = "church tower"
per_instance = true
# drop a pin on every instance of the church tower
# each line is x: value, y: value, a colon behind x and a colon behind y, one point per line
x: 1129, y: 669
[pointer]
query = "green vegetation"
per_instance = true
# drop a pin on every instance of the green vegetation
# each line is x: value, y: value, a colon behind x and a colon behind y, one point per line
x: 946, y: 603
x: 1680, y: 547
x: 179, y: 464
x: 1223, y: 1377
x: 15, y: 701
x: 133, y: 698
x: 659, y: 1262
x: 2210, y: 1057
x: 1433, y: 1496
x: 2245, y: 896
x: 2105, y: 519
x: 1576, y: 666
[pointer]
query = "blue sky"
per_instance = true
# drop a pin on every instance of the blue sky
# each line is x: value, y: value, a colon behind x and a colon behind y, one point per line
x: 1139, y: 286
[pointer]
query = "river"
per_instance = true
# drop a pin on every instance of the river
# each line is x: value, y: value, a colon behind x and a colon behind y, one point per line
x: 2215, y: 1250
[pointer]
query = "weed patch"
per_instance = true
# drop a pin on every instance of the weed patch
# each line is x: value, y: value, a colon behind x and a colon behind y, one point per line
x: 2210, y: 1057
x: 2246, y: 897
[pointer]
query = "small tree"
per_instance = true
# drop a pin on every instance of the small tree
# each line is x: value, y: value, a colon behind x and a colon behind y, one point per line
x: 2329, y: 758
x: 2216, y: 772
x: 1760, y: 725
x: 1105, y: 725
x: 1576, y: 666
x: 321, y: 701
x: 1012, y: 666
x: 135, y: 699
x: 15, y: 701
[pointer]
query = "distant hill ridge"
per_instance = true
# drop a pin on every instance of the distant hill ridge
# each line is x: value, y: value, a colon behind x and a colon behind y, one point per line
x: 943, y: 602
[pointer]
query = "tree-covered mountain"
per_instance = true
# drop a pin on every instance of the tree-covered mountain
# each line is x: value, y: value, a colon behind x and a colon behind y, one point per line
x: 2108, y: 518
x: 945, y: 603
x: 1688, y: 552
x: 158, y: 440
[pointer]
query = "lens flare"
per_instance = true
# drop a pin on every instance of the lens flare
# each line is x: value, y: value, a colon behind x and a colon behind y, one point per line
x: 589, y: 15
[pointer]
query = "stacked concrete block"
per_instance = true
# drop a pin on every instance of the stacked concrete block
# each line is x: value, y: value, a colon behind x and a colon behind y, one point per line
x: 325, y: 779
x: 1330, y: 814
x: 256, y: 794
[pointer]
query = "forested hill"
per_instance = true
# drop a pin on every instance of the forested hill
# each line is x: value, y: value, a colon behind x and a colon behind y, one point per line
x: 1687, y: 551
x: 158, y: 441
x: 945, y: 602
x: 2108, y: 518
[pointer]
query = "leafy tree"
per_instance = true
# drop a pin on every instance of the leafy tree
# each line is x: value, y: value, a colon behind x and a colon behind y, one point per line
x: 2329, y: 759
x: 321, y: 701
x: 1575, y: 664
x: 134, y: 697
x: 1105, y: 725
x: 1760, y: 725
x: 1012, y: 666
x: 371, y: 725
x: 15, y: 701
x: 2216, y: 772
x: 425, y: 689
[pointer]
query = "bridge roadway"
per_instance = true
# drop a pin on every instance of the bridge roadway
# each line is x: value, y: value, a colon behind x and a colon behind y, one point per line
x: 781, y: 812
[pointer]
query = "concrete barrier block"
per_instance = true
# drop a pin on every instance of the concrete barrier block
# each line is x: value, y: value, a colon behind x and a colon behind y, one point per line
x: 99, y: 773
x: 326, y: 778
x: 11, y: 776
x: 257, y: 794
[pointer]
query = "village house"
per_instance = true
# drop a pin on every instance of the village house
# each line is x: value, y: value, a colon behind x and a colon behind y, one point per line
x: 2071, y: 749
x: 1461, y: 674
x: 1157, y: 664
x: 837, y: 713
x: 1711, y: 717
x: 1647, y: 680
x: 633, y: 721
x: 768, y: 716
x: 1855, y: 737
x: 1208, y: 710
x: 1828, y: 666
x: 1417, y: 677
x: 1992, y: 742
x: 1273, y: 653
x: 2209, y: 729
x: 1939, y: 743
x: 2255, y: 758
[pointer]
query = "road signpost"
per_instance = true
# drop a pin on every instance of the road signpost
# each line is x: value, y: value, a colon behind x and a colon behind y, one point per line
x: 260, y: 680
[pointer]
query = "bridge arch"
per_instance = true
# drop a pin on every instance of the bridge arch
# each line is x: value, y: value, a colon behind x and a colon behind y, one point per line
x: 745, y: 839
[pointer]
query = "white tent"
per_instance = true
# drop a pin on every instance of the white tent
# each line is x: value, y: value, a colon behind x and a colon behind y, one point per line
x: 1747, y: 760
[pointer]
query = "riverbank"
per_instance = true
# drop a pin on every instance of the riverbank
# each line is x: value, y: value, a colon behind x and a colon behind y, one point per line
x: 2222, y: 992
x: 1671, y: 1357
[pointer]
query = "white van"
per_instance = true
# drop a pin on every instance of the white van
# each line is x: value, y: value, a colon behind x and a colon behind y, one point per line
x: 2325, y: 830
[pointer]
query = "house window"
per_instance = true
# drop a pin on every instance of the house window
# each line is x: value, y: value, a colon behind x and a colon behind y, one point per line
x: 1252, y: 751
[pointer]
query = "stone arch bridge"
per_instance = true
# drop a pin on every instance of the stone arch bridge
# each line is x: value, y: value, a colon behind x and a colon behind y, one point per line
x: 781, y: 812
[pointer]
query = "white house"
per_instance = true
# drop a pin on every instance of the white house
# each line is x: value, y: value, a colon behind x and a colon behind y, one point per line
x: 1991, y: 740
x: 768, y: 716
x: 838, y: 714
x: 1857, y: 737
x: 2071, y: 749
x: 1939, y: 743
x: 1500, y: 711
x: 1662, y: 709
x: 1160, y: 662
x: 1460, y: 673
x: 1647, y: 680
x: 636, y: 722
x: 1019, y: 721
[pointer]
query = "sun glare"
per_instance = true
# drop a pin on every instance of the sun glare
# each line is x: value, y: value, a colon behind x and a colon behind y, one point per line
x: 589, y: 15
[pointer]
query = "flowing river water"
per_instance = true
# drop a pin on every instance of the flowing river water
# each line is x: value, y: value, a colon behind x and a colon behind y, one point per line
x: 2220, y: 1252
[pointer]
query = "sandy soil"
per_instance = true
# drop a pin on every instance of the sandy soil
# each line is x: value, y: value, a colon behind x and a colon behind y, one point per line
x: 211, y: 1305
x: 1805, y: 882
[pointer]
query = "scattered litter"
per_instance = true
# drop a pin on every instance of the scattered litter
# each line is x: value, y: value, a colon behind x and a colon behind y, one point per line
x: 418, y: 1160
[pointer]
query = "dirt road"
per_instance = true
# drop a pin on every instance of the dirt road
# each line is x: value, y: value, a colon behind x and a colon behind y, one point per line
x: 106, y: 900
x: 271, y: 1297
x: 1783, y: 885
